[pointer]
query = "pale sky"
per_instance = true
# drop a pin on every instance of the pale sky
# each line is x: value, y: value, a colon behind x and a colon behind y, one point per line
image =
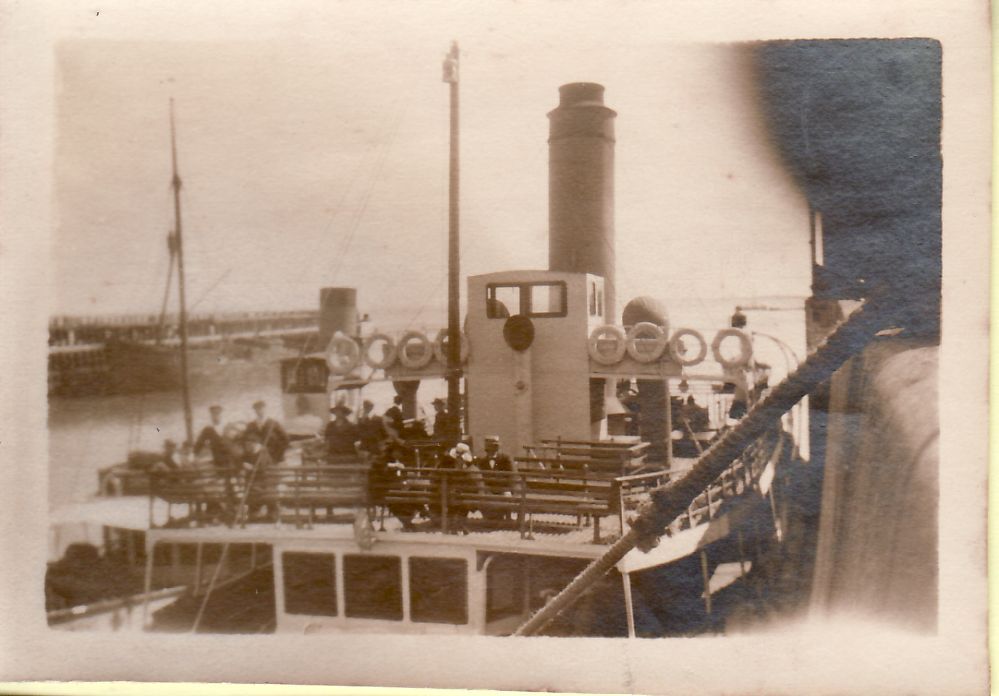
x: 311, y: 162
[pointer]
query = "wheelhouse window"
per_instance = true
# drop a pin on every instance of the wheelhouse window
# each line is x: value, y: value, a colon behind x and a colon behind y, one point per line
x: 502, y: 301
x: 304, y: 376
x: 438, y: 590
x: 545, y: 299
x: 372, y: 587
x: 309, y: 583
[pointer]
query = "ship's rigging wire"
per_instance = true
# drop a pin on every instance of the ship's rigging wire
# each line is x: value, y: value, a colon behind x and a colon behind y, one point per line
x: 397, y: 275
x: 211, y: 287
x: 359, y: 212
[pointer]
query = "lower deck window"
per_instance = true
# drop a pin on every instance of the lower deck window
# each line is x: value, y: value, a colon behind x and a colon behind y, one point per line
x: 309, y: 583
x: 373, y: 587
x: 438, y: 589
x: 505, y: 586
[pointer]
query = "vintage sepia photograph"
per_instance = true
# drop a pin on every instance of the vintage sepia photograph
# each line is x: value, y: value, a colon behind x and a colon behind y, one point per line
x: 397, y: 332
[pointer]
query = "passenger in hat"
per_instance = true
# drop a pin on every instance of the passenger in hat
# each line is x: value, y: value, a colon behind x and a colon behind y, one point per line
x: 440, y: 418
x: 464, y: 480
x: 388, y: 472
x: 166, y: 461
x: 341, y: 435
x: 211, y: 435
x: 370, y: 431
x: 268, y: 432
x: 458, y: 457
x: 496, y: 468
x: 367, y: 406
x: 494, y: 459
x: 171, y: 457
x: 393, y: 416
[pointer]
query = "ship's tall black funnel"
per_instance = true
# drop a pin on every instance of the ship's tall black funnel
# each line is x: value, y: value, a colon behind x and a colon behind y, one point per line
x: 337, y: 312
x: 581, y: 186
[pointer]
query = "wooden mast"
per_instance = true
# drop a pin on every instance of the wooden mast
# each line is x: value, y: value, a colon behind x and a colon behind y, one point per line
x: 453, y: 322
x: 179, y: 249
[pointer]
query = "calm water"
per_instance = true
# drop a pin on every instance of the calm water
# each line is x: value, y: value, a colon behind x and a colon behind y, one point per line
x: 87, y: 434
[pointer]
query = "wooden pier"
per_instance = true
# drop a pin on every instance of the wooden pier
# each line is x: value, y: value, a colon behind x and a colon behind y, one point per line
x: 80, y: 362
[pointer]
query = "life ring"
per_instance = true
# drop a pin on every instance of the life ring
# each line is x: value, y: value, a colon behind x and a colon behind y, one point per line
x: 603, y: 333
x: 342, y: 355
x: 675, y: 345
x: 406, y: 359
x: 389, y: 352
x: 439, y: 346
x: 651, y: 332
x: 745, y: 348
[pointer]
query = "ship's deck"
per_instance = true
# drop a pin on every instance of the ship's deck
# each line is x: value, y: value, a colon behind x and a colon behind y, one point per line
x: 552, y: 535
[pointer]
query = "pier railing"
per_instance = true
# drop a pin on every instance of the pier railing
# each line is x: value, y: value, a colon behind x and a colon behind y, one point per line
x: 96, y: 329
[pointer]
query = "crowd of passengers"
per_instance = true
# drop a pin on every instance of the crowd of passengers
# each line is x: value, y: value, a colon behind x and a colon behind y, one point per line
x: 379, y: 440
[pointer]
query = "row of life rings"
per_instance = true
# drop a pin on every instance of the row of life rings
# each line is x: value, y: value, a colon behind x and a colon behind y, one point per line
x: 414, y: 351
x: 655, y: 342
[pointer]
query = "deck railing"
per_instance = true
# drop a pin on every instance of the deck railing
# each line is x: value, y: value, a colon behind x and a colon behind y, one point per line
x: 528, y: 499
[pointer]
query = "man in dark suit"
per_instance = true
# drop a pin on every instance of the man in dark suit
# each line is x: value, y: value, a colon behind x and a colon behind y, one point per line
x: 211, y: 435
x: 495, y: 461
x: 440, y: 418
x: 341, y: 434
x: 393, y: 417
x: 267, y: 432
x: 369, y: 428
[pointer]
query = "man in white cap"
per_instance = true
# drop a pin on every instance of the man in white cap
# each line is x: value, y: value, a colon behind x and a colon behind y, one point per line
x: 267, y: 432
x: 211, y: 435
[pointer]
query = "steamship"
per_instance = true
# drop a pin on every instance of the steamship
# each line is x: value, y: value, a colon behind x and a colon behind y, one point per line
x: 317, y: 545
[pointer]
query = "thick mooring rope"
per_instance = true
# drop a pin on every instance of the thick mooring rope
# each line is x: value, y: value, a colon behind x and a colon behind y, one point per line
x: 671, y: 500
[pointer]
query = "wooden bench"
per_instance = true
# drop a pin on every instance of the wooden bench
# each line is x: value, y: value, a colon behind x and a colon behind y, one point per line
x: 573, y: 465
x: 204, y: 490
x: 503, y: 493
x: 207, y: 491
x: 599, y: 457
x: 308, y: 489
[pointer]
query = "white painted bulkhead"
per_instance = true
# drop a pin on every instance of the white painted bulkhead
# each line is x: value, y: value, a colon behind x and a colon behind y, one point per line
x: 542, y: 392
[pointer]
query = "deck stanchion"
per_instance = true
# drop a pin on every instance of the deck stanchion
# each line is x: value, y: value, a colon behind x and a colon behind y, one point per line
x: 150, y: 554
x: 628, y: 606
x: 522, y: 514
x: 620, y: 505
x: 444, y: 512
x: 668, y: 502
x: 707, y: 582
x: 669, y: 426
x: 198, y: 558
x: 742, y: 554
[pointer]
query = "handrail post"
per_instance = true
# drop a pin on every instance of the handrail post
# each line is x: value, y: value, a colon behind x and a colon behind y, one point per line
x: 444, y: 511
x: 708, y: 492
x: 522, y: 514
x: 152, y: 496
x: 620, y: 503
